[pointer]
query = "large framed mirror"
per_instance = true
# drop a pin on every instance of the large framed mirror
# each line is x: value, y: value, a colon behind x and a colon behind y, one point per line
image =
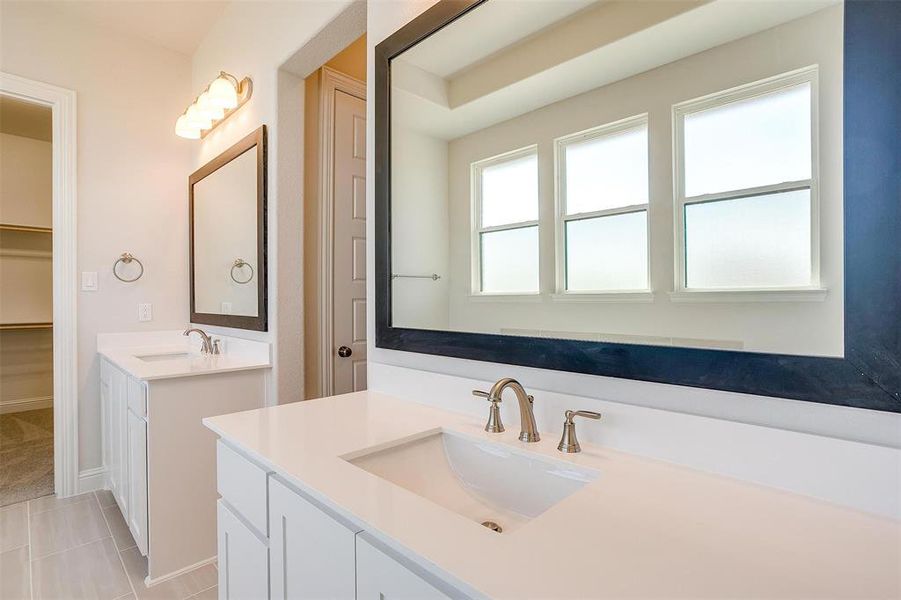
x: 701, y: 193
x: 227, y: 198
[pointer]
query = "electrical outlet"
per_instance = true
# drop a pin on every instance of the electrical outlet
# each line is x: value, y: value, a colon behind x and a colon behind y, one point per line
x: 89, y: 281
x: 226, y: 308
x: 145, y: 312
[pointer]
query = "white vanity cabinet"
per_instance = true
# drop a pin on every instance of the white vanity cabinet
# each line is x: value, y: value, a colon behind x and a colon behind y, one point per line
x: 278, y: 542
x: 379, y: 576
x: 243, y: 558
x: 137, y: 480
x: 125, y: 447
x: 311, y: 551
x: 160, y: 460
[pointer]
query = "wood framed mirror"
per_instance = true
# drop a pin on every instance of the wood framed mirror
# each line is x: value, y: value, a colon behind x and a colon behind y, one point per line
x: 613, y: 202
x: 227, y: 212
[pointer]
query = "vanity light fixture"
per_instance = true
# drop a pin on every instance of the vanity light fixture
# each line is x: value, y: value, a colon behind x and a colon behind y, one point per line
x: 220, y: 99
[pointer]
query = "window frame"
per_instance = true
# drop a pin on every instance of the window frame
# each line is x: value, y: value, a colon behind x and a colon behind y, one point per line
x: 476, y: 229
x: 561, y: 218
x: 813, y: 291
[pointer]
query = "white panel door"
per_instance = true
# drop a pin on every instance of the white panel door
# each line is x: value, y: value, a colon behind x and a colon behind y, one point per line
x: 380, y: 577
x: 243, y: 559
x: 312, y: 553
x: 137, y: 480
x: 349, y: 287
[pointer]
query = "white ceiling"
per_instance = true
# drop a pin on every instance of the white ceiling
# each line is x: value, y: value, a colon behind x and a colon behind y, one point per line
x: 178, y: 25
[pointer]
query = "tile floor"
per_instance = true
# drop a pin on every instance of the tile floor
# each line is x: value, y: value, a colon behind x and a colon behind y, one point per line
x: 80, y: 548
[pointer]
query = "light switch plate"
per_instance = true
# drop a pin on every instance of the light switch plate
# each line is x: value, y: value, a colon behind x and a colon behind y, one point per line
x: 89, y: 281
x: 145, y: 312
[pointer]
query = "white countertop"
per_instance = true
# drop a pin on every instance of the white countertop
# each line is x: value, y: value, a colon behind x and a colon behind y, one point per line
x: 644, y: 528
x: 124, y: 350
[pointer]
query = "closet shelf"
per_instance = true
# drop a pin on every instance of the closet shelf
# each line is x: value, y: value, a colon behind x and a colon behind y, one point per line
x: 25, y: 228
x: 13, y: 326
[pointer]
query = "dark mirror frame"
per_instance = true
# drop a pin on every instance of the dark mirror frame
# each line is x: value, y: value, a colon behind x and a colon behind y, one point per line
x: 868, y: 376
x: 257, y: 140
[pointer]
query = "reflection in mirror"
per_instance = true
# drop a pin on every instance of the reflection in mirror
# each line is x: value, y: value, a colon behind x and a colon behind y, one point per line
x: 227, y: 208
x: 659, y: 172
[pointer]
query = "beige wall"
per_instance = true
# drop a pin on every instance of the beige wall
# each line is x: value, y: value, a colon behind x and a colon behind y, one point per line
x: 256, y: 39
x: 350, y: 61
x: 131, y: 175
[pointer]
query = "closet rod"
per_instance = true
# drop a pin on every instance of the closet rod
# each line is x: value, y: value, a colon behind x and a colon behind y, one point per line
x: 13, y: 326
x: 28, y: 228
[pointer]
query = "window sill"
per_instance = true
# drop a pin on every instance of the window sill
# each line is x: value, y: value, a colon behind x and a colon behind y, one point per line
x: 536, y: 297
x: 638, y: 296
x: 751, y: 295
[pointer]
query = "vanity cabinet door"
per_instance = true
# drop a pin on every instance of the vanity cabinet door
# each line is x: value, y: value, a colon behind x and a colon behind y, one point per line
x: 312, y: 552
x: 118, y: 468
x: 380, y: 577
x: 137, y: 481
x: 243, y: 559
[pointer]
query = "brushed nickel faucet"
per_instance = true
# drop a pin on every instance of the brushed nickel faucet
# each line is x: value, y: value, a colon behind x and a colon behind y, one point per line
x: 569, y: 443
x: 529, y: 430
x: 207, y: 346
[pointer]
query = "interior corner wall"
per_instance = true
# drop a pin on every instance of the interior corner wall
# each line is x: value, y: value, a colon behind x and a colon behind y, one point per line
x: 255, y: 39
x: 131, y: 172
x: 311, y: 239
x: 394, y: 372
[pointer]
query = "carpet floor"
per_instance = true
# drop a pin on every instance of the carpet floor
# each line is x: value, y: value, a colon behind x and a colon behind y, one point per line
x: 26, y: 455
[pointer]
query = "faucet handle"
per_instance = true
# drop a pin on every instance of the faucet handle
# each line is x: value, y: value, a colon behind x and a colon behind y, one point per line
x: 569, y: 443
x: 588, y: 414
x: 494, y: 424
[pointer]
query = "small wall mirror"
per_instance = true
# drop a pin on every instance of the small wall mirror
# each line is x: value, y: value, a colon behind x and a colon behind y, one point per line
x: 228, y: 237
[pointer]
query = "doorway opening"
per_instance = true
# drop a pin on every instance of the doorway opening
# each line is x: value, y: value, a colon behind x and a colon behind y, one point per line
x: 26, y: 301
x: 335, y: 224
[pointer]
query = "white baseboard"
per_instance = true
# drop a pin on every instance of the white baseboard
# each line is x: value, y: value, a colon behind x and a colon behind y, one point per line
x: 23, y: 404
x: 151, y: 582
x: 91, y: 479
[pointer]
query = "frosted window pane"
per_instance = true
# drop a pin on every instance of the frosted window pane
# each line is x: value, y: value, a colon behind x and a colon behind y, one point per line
x: 510, y: 260
x: 510, y: 192
x: 607, y: 172
x: 763, y: 241
x: 607, y: 253
x: 754, y: 142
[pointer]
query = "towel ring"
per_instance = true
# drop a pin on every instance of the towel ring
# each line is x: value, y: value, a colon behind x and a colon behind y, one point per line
x: 125, y: 259
x: 240, y: 262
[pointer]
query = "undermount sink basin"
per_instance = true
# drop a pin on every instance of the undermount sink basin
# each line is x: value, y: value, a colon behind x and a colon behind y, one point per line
x: 488, y: 483
x: 164, y: 356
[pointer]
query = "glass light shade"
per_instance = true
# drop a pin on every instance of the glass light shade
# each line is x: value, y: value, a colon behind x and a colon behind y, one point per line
x: 222, y: 94
x: 208, y: 108
x: 197, y: 118
x: 184, y: 128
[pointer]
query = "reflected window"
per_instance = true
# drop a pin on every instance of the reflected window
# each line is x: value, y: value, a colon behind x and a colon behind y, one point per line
x: 505, y: 240
x: 603, y: 200
x: 745, y: 186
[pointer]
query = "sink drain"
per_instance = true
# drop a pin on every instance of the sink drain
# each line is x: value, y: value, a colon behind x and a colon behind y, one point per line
x: 492, y: 526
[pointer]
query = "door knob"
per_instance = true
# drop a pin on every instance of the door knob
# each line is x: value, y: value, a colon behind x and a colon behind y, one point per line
x: 344, y: 351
